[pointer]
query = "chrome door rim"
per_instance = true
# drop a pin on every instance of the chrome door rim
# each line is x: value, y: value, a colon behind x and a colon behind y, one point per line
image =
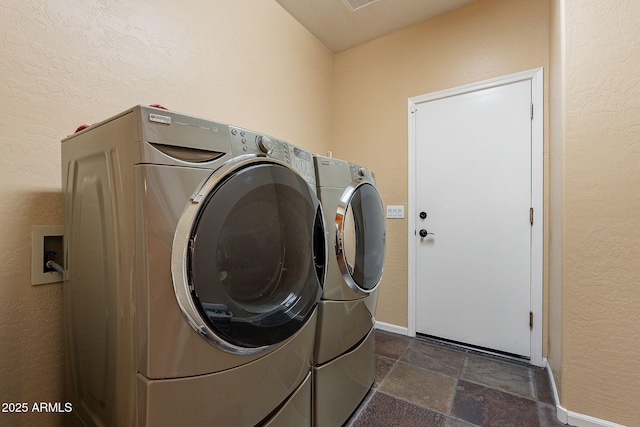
x: 343, y: 207
x: 180, y: 249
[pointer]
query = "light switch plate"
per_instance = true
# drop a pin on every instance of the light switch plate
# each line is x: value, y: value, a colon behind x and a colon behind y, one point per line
x: 395, y: 211
x: 53, y: 235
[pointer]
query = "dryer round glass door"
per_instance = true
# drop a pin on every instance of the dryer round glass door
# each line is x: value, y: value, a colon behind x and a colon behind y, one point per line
x: 360, y: 237
x: 253, y: 260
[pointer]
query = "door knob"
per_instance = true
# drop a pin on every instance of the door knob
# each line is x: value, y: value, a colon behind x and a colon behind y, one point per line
x: 424, y: 233
x: 423, y: 215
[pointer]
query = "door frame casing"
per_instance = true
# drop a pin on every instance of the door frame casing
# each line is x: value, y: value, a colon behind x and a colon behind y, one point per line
x: 537, y: 173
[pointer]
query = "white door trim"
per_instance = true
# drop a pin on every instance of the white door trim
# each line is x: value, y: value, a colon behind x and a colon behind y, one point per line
x: 537, y: 144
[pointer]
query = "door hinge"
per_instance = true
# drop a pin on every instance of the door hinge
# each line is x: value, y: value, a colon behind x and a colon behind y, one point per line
x: 531, y: 215
x: 532, y: 111
x: 531, y: 320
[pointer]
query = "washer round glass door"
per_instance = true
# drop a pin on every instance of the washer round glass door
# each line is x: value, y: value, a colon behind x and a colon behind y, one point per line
x: 249, y: 257
x: 360, y: 237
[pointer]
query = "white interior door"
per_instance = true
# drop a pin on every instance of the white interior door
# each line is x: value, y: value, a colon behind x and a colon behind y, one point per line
x: 474, y: 183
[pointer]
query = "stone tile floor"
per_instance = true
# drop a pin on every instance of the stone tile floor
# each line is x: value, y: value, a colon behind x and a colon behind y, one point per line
x: 421, y: 382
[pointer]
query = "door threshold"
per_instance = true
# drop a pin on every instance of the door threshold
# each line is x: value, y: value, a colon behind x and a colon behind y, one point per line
x: 477, y: 349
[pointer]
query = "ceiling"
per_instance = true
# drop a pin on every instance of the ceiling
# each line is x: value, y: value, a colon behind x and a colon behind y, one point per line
x: 341, y: 24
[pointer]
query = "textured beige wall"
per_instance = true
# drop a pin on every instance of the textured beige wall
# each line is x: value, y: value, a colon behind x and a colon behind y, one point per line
x: 63, y: 63
x: 601, y: 222
x: 553, y: 304
x: 68, y: 62
x: 486, y: 39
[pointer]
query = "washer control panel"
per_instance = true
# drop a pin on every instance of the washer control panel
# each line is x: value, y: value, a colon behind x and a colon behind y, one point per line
x: 302, y: 161
x: 244, y: 141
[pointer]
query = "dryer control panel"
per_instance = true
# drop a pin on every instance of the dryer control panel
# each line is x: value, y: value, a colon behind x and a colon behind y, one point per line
x: 361, y: 173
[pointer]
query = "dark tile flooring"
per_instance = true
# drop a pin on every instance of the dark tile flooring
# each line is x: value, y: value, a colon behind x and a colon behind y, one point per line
x: 420, y: 382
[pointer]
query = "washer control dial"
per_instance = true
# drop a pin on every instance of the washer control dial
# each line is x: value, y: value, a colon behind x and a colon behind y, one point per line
x: 264, y: 144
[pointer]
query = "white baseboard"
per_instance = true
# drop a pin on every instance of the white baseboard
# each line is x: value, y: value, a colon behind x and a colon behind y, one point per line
x: 388, y: 327
x: 574, y: 418
x: 581, y: 420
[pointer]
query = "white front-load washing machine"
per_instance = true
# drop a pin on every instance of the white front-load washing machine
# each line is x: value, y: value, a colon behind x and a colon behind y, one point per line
x: 194, y: 261
x: 344, y: 358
